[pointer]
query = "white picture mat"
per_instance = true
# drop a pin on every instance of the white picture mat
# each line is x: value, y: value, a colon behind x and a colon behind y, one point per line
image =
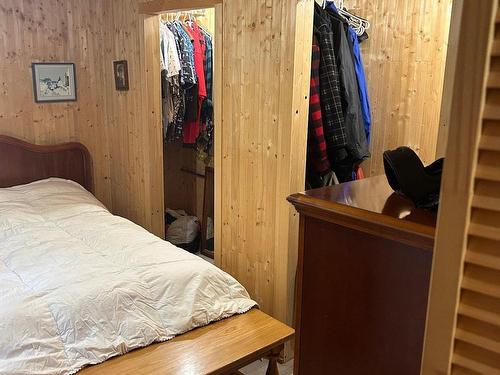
x: 54, y: 82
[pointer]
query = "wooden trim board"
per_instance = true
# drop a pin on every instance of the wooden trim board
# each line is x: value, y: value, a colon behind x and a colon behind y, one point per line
x: 467, y: 108
x: 219, y: 348
x: 162, y: 6
x: 218, y: 130
x: 156, y: 7
x: 449, y: 77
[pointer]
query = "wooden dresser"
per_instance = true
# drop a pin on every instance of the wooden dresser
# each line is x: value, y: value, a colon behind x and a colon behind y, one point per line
x: 363, y: 275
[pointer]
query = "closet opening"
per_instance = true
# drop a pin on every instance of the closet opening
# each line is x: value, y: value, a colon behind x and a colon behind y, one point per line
x: 378, y: 80
x: 187, y: 64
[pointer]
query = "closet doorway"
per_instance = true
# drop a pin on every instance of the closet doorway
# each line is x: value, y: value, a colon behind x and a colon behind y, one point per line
x: 190, y: 68
x: 387, y: 89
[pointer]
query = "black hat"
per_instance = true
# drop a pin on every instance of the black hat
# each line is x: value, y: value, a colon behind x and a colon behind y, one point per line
x: 408, y: 176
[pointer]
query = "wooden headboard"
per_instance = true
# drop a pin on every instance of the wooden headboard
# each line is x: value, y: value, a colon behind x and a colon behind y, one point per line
x: 22, y: 162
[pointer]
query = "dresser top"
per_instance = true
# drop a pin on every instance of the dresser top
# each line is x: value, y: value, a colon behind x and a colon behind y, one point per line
x: 370, y: 205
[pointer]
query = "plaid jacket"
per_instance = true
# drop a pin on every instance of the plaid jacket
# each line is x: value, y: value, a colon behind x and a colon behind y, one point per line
x: 317, y: 155
x: 330, y: 90
x: 208, y: 63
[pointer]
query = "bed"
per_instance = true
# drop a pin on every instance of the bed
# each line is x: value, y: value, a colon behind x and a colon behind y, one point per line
x: 81, y: 287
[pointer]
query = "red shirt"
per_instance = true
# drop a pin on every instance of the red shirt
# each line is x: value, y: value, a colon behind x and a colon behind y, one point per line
x: 199, y: 56
x: 192, y: 129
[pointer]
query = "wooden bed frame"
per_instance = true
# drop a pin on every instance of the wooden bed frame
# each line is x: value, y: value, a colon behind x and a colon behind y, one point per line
x: 219, y: 348
x: 22, y: 162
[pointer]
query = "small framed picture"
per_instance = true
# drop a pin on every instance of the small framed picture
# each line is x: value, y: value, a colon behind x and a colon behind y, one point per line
x: 54, y: 82
x: 121, y: 75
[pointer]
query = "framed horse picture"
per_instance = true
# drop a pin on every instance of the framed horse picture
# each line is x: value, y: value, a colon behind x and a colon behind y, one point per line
x: 54, y: 82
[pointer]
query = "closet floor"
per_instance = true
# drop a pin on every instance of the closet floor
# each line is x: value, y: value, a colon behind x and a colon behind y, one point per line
x: 210, y: 260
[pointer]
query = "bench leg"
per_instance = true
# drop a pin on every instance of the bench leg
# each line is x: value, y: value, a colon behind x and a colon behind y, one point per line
x: 272, y: 368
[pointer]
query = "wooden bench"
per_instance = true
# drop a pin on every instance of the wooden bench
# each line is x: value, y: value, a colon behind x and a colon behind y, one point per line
x: 220, y: 348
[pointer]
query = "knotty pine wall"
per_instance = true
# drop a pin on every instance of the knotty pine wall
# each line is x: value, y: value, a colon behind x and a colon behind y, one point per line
x: 266, y: 80
x: 405, y: 60
x: 119, y: 128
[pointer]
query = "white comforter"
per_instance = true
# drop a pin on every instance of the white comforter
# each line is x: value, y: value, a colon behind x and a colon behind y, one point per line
x: 79, y: 285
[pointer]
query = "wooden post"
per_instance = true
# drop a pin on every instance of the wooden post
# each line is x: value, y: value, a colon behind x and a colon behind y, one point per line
x: 272, y: 367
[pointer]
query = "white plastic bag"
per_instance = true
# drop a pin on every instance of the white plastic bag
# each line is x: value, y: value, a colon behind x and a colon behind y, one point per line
x: 183, y: 230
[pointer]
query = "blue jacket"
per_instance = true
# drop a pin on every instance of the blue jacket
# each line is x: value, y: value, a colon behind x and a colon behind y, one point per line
x: 360, y: 74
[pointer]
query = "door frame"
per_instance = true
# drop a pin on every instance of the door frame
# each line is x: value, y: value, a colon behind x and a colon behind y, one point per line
x: 153, y: 9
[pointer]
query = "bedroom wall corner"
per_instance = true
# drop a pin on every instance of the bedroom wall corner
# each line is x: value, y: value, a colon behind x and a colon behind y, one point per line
x: 62, y: 31
x: 122, y: 130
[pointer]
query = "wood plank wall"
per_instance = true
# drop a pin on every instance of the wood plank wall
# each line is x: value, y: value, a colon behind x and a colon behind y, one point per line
x: 119, y: 128
x: 52, y: 30
x: 404, y: 59
x: 266, y: 71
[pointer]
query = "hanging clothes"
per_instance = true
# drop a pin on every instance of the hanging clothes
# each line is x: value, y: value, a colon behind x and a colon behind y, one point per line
x: 359, y: 173
x: 208, y: 64
x: 205, y: 140
x: 191, y: 100
x: 317, y: 151
x: 331, y: 100
x: 169, y: 56
x: 345, y: 110
x: 192, y: 127
x: 199, y: 56
x: 357, y: 145
x: 171, y: 67
x: 189, y: 77
x: 354, y: 39
x: 362, y: 86
x: 187, y: 71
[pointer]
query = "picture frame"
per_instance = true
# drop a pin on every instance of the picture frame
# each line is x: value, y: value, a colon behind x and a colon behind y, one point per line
x: 121, y: 75
x: 54, y: 82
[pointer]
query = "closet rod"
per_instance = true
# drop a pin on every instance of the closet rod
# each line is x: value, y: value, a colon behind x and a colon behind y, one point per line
x: 193, y: 13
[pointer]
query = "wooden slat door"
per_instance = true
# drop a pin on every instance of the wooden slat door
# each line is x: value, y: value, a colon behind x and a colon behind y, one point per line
x: 463, y: 328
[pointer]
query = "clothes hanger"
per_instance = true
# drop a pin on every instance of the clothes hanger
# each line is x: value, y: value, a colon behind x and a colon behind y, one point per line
x: 359, y: 25
x: 188, y: 19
